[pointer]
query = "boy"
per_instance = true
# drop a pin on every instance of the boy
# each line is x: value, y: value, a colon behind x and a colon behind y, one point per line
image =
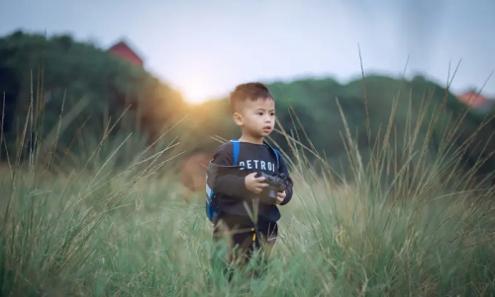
x: 245, y: 217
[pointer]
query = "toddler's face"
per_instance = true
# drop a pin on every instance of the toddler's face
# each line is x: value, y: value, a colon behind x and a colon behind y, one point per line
x: 258, y: 117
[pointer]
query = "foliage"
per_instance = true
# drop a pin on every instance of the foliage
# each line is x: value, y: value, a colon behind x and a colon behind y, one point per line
x: 57, y: 78
x: 406, y: 223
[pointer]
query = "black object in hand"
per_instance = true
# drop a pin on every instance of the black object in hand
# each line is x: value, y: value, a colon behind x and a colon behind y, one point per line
x: 276, y: 183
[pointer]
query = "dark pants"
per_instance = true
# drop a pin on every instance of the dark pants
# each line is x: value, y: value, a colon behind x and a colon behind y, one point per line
x: 243, y: 238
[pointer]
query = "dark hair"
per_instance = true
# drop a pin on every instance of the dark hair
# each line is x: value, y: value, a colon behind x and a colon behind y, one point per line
x: 251, y: 91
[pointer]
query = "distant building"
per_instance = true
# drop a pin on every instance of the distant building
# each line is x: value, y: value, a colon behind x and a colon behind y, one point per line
x: 472, y: 99
x: 124, y: 51
x: 477, y: 101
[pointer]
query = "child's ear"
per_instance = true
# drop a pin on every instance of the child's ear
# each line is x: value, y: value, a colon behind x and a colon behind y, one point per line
x: 237, y: 118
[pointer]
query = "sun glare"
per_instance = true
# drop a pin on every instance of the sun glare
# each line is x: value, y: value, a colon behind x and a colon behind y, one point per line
x: 191, y: 99
x: 195, y: 92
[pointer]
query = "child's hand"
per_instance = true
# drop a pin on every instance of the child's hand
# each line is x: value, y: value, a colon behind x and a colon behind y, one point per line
x: 254, y: 184
x: 280, y: 197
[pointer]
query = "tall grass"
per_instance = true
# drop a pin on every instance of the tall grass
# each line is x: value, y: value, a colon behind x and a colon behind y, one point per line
x: 406, y: 220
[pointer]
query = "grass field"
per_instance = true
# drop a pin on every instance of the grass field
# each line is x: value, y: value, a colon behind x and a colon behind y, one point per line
x: 406, y: 223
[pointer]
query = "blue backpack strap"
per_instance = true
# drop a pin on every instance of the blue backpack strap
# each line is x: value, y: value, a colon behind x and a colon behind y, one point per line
x: 211, y: 209
x: 211, y: 212
x: 277, y: 156
x: 276, y: 153
x: 235, y: 151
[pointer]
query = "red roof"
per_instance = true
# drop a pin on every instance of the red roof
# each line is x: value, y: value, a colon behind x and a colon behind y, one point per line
x: 473, y: 99
x: 123, y: 50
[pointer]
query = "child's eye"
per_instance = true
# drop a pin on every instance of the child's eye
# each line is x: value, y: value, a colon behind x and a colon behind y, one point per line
x: 260, y: 113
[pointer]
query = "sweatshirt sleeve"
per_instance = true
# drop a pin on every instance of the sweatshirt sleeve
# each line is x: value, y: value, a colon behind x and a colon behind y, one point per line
x: 228, y: 184
x: 288, y: 182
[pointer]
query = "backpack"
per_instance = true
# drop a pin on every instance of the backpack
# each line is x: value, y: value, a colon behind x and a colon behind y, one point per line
x: 212, y: 210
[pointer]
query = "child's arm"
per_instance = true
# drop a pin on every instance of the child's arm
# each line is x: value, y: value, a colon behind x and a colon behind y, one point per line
x: 288, y: 182
x: 233, y: 185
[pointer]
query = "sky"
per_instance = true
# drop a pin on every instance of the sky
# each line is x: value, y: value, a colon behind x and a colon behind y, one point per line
x: 205, y: 48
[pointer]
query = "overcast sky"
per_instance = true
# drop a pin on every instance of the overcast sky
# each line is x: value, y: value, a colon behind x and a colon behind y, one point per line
x: 205, y: 48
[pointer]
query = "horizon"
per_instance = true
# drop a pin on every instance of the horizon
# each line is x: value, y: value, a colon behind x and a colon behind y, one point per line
x: 204, y: 50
